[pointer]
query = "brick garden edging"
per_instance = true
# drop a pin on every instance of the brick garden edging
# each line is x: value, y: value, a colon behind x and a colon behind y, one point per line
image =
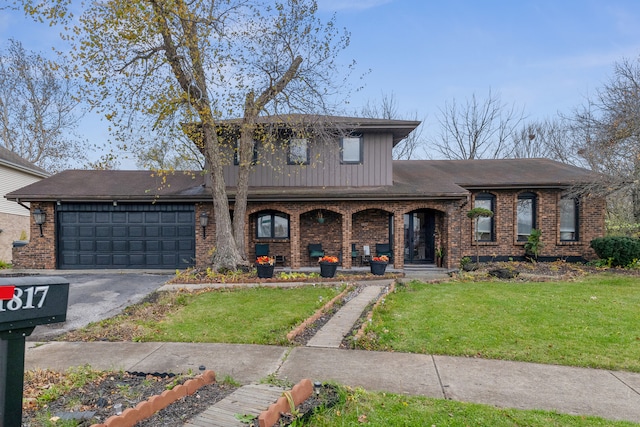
x: 147, y: 408
x: 360, y: 332
x: 298, y: 330
x: 299, y: 393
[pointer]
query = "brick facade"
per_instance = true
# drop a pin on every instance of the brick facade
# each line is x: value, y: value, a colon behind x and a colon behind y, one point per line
x: 40, y: 252
x: 367, y: 223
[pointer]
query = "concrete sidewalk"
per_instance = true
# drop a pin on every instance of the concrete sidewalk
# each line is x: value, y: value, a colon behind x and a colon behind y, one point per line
x: 608, y: 394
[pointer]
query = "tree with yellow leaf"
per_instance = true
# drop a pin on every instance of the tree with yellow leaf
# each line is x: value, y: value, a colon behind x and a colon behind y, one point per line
x: 158, y: 66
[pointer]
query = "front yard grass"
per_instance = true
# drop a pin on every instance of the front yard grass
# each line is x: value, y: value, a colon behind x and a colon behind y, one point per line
x: 591, y: 322
x: 357, y: 407
x: 239, y: 315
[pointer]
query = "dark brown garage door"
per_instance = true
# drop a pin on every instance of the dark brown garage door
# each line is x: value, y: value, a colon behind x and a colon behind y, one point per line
x: 152, y: 236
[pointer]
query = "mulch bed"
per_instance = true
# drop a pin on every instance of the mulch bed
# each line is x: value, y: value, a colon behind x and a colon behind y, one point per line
x: 96, y: 401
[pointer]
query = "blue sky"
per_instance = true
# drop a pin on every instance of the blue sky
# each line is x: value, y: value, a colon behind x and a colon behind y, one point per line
x: 544, y: 56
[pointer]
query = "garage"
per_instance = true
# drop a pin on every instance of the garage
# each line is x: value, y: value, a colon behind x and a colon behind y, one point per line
x: 125, y: 236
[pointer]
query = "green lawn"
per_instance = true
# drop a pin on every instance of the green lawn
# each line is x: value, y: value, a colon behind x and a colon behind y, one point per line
x: 242, y: 315
x: 592, y: 322
x: 360, y: 408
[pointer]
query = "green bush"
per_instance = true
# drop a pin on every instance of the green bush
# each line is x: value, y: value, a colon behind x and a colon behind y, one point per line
x: 617, y: 250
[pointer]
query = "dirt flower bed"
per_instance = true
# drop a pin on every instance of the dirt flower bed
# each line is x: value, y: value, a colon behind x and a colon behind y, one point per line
x: 195, y: 276
x: 541, y: 271
x: 90, y: 397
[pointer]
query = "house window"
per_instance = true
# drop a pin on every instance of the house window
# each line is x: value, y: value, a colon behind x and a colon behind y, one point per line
x: 484, y: 230
x: 298, y: 151
x: 568, y: 219
x: 351, y: 149
x: 272, y: 225
x: 526, y: 215
x: 236, y: 158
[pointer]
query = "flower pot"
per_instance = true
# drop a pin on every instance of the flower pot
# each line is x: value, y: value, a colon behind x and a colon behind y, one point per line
x: 328, y: 269
x: 439, y: 261
x: 265, y: 271
x: 378, y: 267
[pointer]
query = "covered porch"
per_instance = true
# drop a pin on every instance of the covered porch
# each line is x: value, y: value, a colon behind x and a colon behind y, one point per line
x: 298, y: 233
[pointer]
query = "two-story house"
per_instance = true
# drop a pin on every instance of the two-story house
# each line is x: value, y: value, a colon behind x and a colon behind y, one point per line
x: 15, y: 172
x: 338, y: 189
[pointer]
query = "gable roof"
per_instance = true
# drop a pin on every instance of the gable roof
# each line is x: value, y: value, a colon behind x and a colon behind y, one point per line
x: 12, y: 160
x: 412, y: 180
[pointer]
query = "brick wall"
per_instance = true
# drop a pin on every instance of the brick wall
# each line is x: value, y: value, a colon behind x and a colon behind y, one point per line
x: 40, y: 252
x: 367, y: 223
x: 591, y: 214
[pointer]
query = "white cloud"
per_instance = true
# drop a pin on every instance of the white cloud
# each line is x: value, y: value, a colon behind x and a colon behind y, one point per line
x: 334, y: 5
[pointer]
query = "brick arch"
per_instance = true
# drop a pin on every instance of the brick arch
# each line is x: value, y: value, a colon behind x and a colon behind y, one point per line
x: 275, y: 207
x: 366, y: 208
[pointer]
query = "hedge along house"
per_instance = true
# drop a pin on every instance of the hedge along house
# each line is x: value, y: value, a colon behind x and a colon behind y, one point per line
x: 340, y: 190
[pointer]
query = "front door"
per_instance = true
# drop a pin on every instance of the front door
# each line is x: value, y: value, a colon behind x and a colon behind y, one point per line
x: 419, y: 240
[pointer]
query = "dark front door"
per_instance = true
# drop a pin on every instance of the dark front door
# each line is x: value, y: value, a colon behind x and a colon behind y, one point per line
x: 100, y: 235
x: 419, y: 241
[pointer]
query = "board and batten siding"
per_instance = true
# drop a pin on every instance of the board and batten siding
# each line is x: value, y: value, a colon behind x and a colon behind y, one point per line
x: 325, y: 168
x: 11, y: 180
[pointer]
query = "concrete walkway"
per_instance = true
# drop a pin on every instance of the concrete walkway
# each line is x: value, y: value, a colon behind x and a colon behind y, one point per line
x: 340, y: 324
x: 609, y: 394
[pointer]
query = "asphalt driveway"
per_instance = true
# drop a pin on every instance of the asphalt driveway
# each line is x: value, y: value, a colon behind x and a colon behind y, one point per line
x: 94, y: 296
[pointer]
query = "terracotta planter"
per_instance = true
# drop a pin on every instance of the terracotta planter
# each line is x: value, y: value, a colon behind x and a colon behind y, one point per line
x: 378, y: 267
x: 328, y: 269
x: 265, y: 271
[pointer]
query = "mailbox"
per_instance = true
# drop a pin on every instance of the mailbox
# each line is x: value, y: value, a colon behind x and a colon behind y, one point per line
x: 36, y: 300
x: 25, y: 302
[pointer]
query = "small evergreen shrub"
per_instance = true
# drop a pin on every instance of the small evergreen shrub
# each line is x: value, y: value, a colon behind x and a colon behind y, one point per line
x: 619, y: 251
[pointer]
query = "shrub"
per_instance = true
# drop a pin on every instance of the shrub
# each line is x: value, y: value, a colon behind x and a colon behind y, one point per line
x: 617, y: 250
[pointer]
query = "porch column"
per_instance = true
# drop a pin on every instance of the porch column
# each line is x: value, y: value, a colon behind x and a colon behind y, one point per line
x: 294, y: 240
x: 346, y: 238
x: 398, y: 239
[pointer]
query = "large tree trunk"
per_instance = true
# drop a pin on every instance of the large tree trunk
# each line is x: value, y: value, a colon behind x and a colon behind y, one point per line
x: 245, y: 160
x: 226, y: 254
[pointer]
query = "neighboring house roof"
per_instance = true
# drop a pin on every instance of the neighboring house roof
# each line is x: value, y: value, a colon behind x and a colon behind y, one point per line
x: 10, y: 159
x: 413, y: 179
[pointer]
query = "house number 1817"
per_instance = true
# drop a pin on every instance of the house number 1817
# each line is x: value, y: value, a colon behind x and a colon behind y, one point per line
x: 25, y: 298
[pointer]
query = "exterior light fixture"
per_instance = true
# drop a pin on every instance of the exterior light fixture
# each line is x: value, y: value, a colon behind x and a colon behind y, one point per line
x: 317, y: 385
x: 39, y: 217
x: 204, y: 221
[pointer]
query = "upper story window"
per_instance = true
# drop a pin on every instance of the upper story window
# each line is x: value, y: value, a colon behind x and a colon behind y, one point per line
x: 272, y: 225
x: 298, y: 151
x: 236, y: 158
x: 484, y: 230
x: 351, y: 149
x: 568, y: 219
x: 526, y: 212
